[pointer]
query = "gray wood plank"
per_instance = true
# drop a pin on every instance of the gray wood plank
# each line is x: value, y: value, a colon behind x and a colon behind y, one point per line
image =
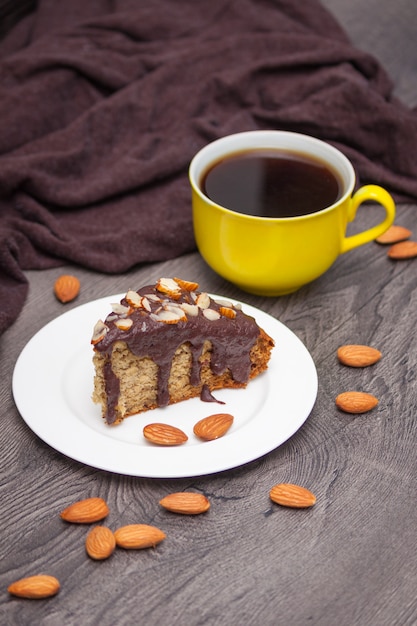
x: 350, y: 559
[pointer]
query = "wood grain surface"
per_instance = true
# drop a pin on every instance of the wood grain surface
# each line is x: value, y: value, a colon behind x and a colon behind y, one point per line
x: 349, y: 560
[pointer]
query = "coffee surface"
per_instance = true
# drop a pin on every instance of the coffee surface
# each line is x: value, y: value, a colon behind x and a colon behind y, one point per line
x: 271, y: 183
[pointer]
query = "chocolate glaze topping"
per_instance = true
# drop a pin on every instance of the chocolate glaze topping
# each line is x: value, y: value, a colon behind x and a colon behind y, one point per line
x: 157, y: 319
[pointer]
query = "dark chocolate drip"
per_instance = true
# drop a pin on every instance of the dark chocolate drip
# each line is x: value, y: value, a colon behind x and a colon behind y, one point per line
x: 112, y: 386
x: 231, y: 340
x: 207, y: 396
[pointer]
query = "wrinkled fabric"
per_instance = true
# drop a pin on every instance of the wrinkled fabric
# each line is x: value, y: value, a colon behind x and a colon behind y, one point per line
x: 103, y: 105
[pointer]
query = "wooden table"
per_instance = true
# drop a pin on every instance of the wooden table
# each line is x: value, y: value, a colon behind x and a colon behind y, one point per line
x: 349, y: 560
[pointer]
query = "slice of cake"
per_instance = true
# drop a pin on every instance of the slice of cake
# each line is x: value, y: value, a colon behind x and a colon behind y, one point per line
x: 169, y: 342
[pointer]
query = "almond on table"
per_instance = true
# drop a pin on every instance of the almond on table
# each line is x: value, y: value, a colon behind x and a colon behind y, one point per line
x: 66, y: 288
x: 86, y: 511
x: 355, y: 355
x: 186, y: 503
x: 356, y: 402
x: 294, y: 496
x: 100, y: 543
x: 394, y: 234
x: 138, y: 536
x: 35, y: 587
x: 403, y: 250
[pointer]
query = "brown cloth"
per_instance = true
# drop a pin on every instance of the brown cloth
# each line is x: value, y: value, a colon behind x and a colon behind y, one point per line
x: 103, y: 105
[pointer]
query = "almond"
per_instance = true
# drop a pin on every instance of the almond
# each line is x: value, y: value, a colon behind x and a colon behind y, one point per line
x: 293, y: 496
x: 169, y: 317
x: 211, y: 314
x: 186, y: 503
x: 227, y: 312
x: 203, y: 300
x: 213, y: 426
x: 169, y: 287
x: 120, y: 309
x: 66, y: 288
x: 123, y: 324
x: 86, y: 511
x: 356, y: 402
x: 35, y: 587
x: 403, y: 250
x: 355, y: 355
x: 133, y: 298
x: 187, y: 285
x: 99, y: 332
x: 225, y: 303
x: 164, y: 434
x: 138, y: 536
x: 100, y: 543
x: 190, y: 309
x: 394, y: 234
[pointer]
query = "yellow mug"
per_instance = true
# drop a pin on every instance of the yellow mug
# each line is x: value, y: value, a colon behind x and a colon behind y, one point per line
x: 273, y: 256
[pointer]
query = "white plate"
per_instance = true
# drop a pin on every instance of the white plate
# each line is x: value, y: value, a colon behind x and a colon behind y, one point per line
x: 52, y: 387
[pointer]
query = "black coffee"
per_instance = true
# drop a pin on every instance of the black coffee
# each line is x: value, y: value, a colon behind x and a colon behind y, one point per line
x: 272, y: 183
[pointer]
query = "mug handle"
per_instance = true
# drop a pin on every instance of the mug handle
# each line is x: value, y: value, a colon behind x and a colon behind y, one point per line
x: 378, y: 194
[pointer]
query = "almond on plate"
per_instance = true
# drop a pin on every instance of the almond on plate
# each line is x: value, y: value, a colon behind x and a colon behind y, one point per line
x: 294, y: 496
x: 185, y: 503
x: 100, y: 543
x: 213, y: 426
x: 356, y: 401
x: 355, y: 355
x: 35, y: 587
x: 66, y: 288
x: 86, y: 511
x: 164, y: 434
x: 138, y: 536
